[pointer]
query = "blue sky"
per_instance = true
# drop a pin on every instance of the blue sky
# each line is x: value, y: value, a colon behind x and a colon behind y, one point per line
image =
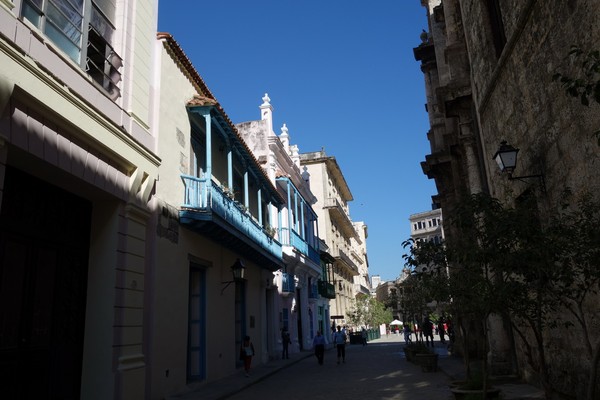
x: 342, y: 76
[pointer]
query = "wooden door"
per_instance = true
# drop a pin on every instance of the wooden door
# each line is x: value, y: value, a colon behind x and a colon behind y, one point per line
x: 44, y: 242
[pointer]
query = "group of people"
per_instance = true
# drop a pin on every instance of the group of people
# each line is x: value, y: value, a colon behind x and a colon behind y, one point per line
x: 340, y: 338
x: 425, y: 331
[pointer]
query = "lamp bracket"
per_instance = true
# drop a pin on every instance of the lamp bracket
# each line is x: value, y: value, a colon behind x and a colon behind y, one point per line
x: 226, y: 283
x: 523, y: 177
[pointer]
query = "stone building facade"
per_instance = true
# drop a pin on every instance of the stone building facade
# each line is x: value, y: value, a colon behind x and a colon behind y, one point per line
x: 488, y: 68
x: 427, y: 226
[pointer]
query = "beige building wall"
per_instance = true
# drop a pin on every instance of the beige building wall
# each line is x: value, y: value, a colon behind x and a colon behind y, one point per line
x: 335, y: 228
x: 60, y: 127
x: 180, y: 247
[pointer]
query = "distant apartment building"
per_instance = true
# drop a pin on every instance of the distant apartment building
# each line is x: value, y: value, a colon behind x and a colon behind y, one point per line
x: 375, y: 281
x: 427, y: 226
x: 345, y: 239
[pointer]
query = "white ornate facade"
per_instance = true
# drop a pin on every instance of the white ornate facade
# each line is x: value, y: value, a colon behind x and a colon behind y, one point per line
x: 297, y: 305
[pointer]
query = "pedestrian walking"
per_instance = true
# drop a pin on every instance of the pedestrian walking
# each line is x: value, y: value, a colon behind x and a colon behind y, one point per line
x: 339, y: 338
x: 363, y: 335
x: 285, y: 342
x: 407, y: 332
x: 319, y: 346
x: 441, y: 330
x: 428, y: 332
x: 246, y: 354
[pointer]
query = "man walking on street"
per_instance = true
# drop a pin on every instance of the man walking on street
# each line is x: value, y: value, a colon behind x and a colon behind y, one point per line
x: 319, y: 345
x: 339, y: 338
x: 428, y: 332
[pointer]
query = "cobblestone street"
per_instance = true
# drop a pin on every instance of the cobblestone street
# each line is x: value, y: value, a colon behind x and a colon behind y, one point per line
x: 376, y: 371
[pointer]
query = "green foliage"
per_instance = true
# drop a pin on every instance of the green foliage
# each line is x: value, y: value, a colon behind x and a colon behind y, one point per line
x: 419, y: 348
x: 505, y: 261
x: 585, y: 86
x: 367, y: 311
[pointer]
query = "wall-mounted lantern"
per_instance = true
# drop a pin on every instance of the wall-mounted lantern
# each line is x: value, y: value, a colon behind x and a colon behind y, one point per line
x: 506, y: 158
x: 237, y: 270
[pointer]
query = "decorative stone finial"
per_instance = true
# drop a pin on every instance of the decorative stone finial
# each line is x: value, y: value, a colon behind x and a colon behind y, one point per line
x: 266, y: 100
x: 284, y: 130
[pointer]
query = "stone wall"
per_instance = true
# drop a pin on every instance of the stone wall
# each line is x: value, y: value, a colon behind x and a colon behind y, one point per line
x: 510, y: 95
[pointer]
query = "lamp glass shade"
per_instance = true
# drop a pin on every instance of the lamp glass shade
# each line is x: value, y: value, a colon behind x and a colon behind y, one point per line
x: 237, y: 270
x: 506, y: 157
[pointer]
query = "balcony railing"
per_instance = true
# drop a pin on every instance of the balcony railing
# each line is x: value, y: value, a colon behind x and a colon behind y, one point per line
x: 342, y: 256
x: 338, y: 212
x: 288, y: 283
x: 291, y: 238
x: 206, y: 197
x: 103, y: 63
x: 327, y: 290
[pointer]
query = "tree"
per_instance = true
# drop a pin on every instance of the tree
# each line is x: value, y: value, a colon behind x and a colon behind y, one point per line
x: 505, y: 261
x: 577, y: 239
x: 367, y: 311
x: 586, y: 85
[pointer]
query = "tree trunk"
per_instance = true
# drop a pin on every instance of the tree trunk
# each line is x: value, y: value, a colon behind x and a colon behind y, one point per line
x: 591, y: 389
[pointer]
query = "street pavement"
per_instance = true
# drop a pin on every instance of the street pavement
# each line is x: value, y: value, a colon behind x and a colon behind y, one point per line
x: 376, y: 371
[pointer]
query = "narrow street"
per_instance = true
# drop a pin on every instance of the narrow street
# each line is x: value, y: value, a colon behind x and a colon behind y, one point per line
x: 376, y: 371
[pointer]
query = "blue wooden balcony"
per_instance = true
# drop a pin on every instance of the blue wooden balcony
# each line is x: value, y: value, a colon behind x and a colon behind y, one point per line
x: 288, y: 283
x: 291, y: 238
x: 326, y: 289
x: 313, y: 291
x: 208, y: 210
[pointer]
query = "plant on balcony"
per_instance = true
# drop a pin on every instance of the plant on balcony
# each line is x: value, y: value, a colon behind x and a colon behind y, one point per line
x: 227, y: 191
x: 270, y: 231
x: 242, y: 207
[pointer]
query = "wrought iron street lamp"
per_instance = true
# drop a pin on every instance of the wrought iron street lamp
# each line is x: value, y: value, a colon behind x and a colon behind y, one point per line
x: 506, y: 158
x: 237, y: 270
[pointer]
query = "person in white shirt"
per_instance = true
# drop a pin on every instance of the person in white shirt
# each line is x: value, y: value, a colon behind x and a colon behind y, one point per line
x: 339, y: 338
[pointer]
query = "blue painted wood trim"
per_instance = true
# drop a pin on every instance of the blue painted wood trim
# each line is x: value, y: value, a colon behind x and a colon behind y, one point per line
x: 227, y: 209
x: 208, y: 129
x: 230, y: 169
x: 246, y: 199
x: 259, y: 200
x: 290, y: 220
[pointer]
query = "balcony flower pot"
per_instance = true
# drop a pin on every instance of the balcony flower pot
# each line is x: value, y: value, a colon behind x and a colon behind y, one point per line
x: 427, y: 361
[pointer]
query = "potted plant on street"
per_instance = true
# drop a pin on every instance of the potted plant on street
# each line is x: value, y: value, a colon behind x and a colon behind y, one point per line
x: 413, y: 349
x: 428, y: 360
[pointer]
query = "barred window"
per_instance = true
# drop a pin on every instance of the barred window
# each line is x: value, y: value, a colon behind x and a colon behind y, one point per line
x: 83, y: 29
